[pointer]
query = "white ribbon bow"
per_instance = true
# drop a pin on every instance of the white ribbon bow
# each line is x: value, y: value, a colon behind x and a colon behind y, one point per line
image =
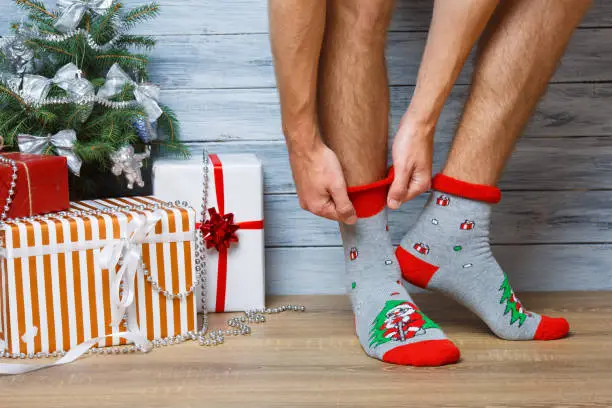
x: 72, y: 12
x: 147, y: 95
x: 127, y: 252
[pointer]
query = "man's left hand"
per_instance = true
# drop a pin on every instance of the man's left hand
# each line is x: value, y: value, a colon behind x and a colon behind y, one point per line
x: 412, y: 162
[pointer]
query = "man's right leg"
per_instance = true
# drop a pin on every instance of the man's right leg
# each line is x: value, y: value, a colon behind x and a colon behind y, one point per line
x: 353, y: 113
x: 448, y: 248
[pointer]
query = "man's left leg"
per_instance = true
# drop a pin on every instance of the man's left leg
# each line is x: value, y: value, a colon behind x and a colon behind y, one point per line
x: 448, y: 249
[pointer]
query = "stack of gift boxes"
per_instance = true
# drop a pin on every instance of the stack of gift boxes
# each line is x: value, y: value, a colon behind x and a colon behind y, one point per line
x: 92, y: 271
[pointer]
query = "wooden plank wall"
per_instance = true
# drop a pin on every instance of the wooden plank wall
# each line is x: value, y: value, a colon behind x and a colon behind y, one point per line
x: 552, y: 231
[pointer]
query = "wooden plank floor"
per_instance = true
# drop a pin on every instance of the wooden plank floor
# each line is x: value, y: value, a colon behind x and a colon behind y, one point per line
x: 313, y: 360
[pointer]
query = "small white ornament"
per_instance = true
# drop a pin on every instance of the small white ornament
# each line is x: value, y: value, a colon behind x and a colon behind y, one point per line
x: 434, y: 221
x: 127, y: 162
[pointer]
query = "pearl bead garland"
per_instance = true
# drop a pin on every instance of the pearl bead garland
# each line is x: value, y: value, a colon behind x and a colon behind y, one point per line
x: 11, y: 191
x: 237, y: 326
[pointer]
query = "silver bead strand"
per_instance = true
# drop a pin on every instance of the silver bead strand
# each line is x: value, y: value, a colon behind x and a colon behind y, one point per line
x: 201, y: 253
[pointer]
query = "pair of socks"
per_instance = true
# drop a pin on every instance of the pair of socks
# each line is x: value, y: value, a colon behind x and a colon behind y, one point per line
x: 447, y: 250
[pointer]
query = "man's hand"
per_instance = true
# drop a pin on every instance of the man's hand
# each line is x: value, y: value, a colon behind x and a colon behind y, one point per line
x: 320, y: 184
x: 455, y: 27
x: 412, y: 162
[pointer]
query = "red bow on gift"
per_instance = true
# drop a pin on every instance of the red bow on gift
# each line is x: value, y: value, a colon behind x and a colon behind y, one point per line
x: 220, y: 231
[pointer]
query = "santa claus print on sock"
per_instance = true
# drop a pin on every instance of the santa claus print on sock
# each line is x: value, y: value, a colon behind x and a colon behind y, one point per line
x: 399, y: 320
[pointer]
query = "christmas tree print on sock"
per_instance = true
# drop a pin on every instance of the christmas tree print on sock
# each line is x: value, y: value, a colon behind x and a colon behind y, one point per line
x: 513, y: 305
x: 399, y: 320
x: 448, y: 250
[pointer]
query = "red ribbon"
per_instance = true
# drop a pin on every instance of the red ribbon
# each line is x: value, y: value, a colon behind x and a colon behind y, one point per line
x: 220, y: 231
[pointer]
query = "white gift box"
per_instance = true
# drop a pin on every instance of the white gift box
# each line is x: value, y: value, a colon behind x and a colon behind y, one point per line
x: 235, y: 276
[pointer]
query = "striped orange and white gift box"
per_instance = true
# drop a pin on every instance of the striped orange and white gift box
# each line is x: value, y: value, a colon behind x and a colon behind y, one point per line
x: 54, y: 295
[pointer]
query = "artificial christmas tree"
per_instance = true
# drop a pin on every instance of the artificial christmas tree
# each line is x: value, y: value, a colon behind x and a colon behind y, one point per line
x: 74, y: 69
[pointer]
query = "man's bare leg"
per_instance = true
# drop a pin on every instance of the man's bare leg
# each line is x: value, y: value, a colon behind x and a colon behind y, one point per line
x: 353, y: 111
x: 353, y: 93
x: 518, y: 54
x: 448, y: 249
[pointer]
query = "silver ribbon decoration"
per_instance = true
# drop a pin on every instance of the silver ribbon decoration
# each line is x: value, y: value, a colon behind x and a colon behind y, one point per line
x: 63, y: 142
x: 72, y: 12
x: 147, y: 95
x: 127, y: 252
x: 35, y: 88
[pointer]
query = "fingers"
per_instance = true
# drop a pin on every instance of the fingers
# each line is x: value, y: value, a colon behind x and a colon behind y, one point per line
x: 325, y: 209
x: 344, y: 208
x: 418, y: 185
x: 406, y: 186
x: 336, y: 206
x: 399, y: 187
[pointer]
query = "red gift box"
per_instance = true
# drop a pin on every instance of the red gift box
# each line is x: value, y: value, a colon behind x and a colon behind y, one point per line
x: 443, y: 200
x: 467, y: 225
x: 41, y: 185
x: 421, y: 248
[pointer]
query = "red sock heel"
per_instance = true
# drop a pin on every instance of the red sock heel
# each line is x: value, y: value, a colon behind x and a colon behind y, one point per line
x: 414, y: 270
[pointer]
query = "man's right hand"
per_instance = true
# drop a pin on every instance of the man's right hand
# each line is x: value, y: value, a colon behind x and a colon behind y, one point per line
x: 320, y: 184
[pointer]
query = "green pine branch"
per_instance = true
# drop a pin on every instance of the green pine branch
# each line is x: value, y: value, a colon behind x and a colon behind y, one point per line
x: 104, y: 27
x: 35, y: 7
x: 169, y: 124
x: 8, y: 96
x: 141, y: 41
x: 141, y: 14
x: 125, y: 59
x: 44, y: 23
x: 58, y: 49
x: 97, y: 151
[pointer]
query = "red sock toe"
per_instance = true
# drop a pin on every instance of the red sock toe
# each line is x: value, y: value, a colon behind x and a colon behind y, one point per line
x: 428, y: 353
x: 551, y: 328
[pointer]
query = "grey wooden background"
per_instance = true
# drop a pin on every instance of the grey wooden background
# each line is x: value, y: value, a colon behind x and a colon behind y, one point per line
x: 553, y: 229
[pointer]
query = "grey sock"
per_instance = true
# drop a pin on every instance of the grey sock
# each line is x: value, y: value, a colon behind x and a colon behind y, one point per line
x: 388, y: 324
x: 448, y: 250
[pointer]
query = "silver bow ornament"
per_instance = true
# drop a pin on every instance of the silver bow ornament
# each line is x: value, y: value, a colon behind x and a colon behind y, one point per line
x: 72, y: 12
x: 127, y: 254
x: 62, y: 141
x: 35, y: 88
x: 147, y: 95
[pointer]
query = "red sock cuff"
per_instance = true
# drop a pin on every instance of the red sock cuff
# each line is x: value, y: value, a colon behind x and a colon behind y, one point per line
x: 370, y: 199
x: 478, y: 192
